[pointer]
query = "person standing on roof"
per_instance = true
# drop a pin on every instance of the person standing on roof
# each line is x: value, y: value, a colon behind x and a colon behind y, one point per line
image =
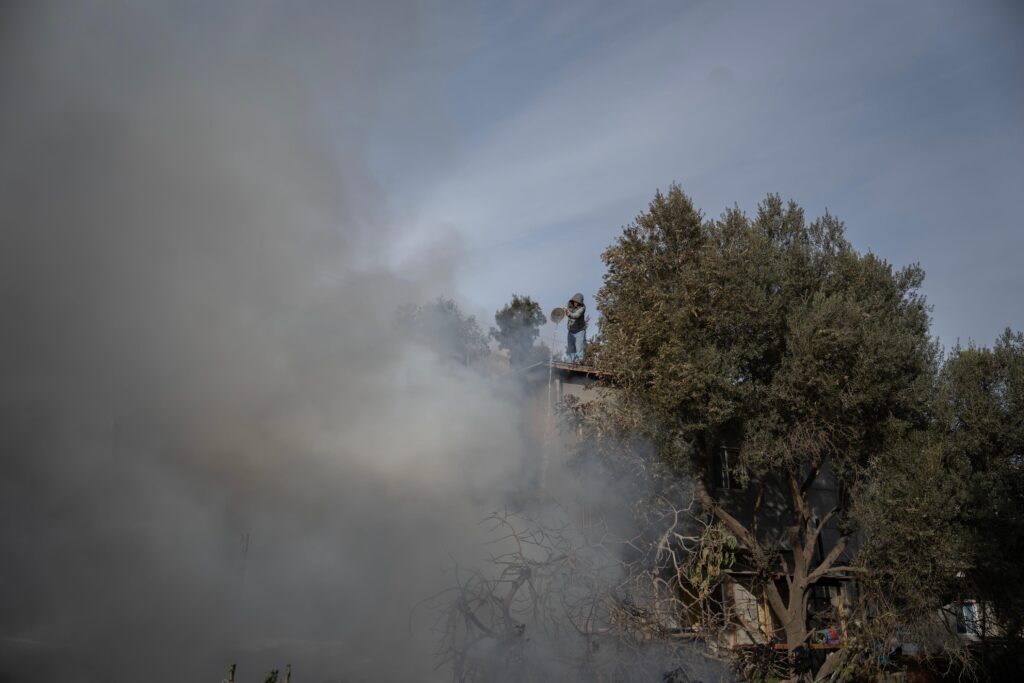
x: 576, y: 312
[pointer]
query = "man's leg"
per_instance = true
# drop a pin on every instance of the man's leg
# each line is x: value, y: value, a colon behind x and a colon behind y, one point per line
x: 579, y: 343
x: 570, y: 347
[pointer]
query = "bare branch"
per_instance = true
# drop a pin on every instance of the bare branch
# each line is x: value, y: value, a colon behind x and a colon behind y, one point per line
x: 830, y: 559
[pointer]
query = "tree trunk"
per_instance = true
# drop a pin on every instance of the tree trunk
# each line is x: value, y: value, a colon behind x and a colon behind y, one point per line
x: 791, y: 611
x: 795, y: 620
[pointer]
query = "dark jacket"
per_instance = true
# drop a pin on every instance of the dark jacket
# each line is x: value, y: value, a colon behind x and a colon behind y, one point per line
x: 577, y: 318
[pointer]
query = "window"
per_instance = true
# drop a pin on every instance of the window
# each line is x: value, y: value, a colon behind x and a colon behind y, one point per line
x: 726, y: 470
x: 967, y: 618
x: 820, y: 598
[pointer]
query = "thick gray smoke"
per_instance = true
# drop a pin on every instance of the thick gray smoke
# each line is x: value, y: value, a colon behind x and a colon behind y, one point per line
x: 216, y: 445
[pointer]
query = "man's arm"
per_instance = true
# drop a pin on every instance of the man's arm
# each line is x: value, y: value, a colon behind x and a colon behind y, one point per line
x: 576, y: 313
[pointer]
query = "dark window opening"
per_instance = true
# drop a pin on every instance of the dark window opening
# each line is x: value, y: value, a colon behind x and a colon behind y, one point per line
x: 726, y: 469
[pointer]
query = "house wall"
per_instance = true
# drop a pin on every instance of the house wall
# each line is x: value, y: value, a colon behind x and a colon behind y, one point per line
x: 556, y: 436
x: 776, y: 515
x: 552, y: 386
x: 750, y: 614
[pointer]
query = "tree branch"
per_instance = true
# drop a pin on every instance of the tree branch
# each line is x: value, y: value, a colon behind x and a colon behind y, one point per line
x: 844, y: 568
x: 809, y: 480
x: 821, y: 526
x: 732, y: 524
x: 775, y: 599
x: 736, y: 527
x: 797, y: 499
x: 829, y: 560
x: 798, y: 530
x: 757, y: 509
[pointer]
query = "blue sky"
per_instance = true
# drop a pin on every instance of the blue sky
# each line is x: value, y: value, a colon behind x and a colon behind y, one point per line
x: 524, y: 135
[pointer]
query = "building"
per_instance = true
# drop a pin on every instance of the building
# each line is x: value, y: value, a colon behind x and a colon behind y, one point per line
x: 744, y: 617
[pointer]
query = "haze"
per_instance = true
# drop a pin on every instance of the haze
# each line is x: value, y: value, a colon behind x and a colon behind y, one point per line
x: 217, y: 442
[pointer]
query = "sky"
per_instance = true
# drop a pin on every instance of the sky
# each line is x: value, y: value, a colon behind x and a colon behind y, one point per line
x: 526, y: 134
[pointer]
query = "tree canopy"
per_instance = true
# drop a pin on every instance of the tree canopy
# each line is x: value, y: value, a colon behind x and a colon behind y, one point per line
x: 776, y: 338
x: 442, y: 326
x: 981, y: 417
x: 769, y: 328
x: 942, y: 521
x: 518, y: 327
x: 789, y: 385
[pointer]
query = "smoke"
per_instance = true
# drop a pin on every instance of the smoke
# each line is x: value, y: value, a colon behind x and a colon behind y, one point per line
x: 218, y: 445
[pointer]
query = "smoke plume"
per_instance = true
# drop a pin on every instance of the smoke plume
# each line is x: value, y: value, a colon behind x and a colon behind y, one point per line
x: 218, y: 445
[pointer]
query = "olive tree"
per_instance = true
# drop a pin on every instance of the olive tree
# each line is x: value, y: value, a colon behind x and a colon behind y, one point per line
x: 772, y: 335
x: 942, y: 521
x: 981, y: 417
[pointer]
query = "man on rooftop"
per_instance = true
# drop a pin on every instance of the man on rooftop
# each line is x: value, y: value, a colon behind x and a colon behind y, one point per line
x: 576, y: 312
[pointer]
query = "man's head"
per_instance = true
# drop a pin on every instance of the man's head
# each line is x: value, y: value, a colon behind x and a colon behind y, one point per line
x: 577, y: 299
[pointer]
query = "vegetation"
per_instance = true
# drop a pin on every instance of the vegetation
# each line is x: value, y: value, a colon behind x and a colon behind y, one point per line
x: 442, y: 326
x: 943, y: 521
x: 759, y: 361
x: 774, y: 337
x: 981, y: 424
x: 518, y: 327
x: 982, y: 417
x: 561, y: 602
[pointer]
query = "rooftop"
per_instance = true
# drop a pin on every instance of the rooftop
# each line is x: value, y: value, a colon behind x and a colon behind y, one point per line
x: 578, y: 369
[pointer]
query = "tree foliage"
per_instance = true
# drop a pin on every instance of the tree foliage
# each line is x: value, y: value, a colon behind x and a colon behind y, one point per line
x: 943, y: 518
x: 812, y: 363
x: 442, y: 326
x: 981, y: 417
x: 768, y: 325
x: 772, y: 335
x: 518, y: 327
x: 913, y: 552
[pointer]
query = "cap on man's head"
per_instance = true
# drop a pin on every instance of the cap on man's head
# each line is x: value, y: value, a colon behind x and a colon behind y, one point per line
x: 577, y: 297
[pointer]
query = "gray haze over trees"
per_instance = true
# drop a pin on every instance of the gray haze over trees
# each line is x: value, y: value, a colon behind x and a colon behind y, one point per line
x: 217, y: 447
x: 813, y: 364
x: 518, y: 327
x: 238, y: 424
x: 442, y: 326
x: 773, y: 337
